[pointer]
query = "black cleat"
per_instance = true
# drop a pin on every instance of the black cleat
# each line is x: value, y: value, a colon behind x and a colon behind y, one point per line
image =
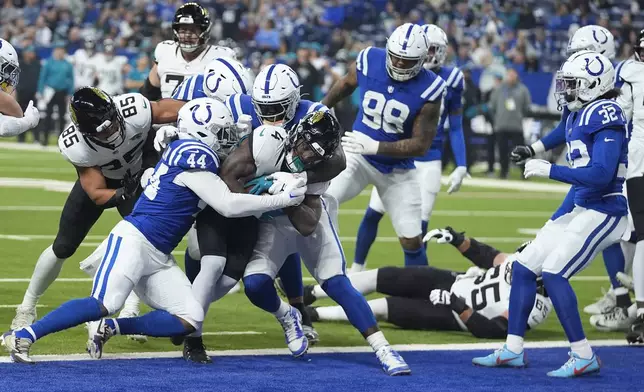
x: 178, y: 340
x: 313, y: 313
x: 195, y: 351
x: 636, y: 333
x: 309, y: 298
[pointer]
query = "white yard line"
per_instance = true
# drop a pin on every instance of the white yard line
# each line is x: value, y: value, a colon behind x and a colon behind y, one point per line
x: 15, y: 306
x: 232, y: 333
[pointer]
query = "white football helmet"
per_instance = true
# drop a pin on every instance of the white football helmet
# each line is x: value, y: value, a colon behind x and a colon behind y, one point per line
x: 225, y: 77
x: 437, y: 40
x: 208, y: 120
x: 9, y: 67
x: 595, y: 38
x: 276, y: 93
x: 407, y: 43
x: 584, y: 77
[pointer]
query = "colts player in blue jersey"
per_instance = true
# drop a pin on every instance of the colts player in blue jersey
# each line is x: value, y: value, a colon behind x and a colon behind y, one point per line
x: 596, y: 138
x: 609, y: 313
x: 137, y: 253
x: 396, y: 123
x: 428, y: 167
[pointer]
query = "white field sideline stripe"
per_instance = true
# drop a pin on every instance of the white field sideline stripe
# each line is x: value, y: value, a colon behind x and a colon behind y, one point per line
x: 319, y: 350
x: 15, y: 306
x: 232, y: 333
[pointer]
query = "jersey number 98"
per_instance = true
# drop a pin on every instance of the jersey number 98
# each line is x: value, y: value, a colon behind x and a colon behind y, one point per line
x: 380, y: 113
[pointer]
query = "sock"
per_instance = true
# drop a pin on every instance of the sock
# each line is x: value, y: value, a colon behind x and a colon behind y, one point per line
x: 158, y: 323
x: 514, y: 343
x: 365, y: 282
x: 261, y: 292
x: 282, y: 309
x: 415, y: 257
x: 628, y: 250
x: 582, y: 348
x: 67, y: 315
x: 291, y: 276
x: 193, y: 267
x: 423, y: 228
x: 354, y: 304
x: 380, y: 308
x: 131, y: 304
x: 377, y: 340
x: 638, y: 271
x: 367, y: 232
x: 522, y: 296
x: 614, y: 262
x: 331, y: 313
x: 224, y: 285
x: 47, y: 270
x: 622, y: 298
x: 564, y: 301
x: 203, y: 285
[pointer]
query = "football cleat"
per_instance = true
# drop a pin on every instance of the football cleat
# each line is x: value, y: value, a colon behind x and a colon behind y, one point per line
x: 502, y: 358
x: 195, y: 351
x: 131, y: 313
x: 636, y: 332
x: 309, y: 298
x: 99, y: 333
x: 18, y: 347
x: 24, y: 318
x: 391, y: 362
x: 604, y: 305
x: 615, y: 320
x: 291, y: 323
x: 311, y: 334
x: 576, y: 366
x: 313, y: 313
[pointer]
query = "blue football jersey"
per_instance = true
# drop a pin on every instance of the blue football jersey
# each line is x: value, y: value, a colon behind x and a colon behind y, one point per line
x: 387, y: 107
x: 165, y: 211
x: 239, y: 104
x: 581, y: 129
x: 452, y: 101
x: 193, y: 87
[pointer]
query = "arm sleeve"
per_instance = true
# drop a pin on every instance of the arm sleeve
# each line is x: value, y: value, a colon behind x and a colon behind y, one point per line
x: 456, y: 138
x: 482, y: 255
x: 12, y: 126
x: 566, y: 206
x: 555, y: 138
x: 483, y: 327
x: 603, y: 164
x: 214, y: 192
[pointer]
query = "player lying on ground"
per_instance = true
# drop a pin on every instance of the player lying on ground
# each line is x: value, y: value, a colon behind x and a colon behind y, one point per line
x: 429, y: 298
x: 137, y: 253
x: 597, y: 149
x: 12, y: 121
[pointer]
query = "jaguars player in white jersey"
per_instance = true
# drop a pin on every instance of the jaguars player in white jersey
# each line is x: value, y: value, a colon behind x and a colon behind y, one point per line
x: 187, y: 54
x: 104, y: 143
x: 429, y: 298
x: 137, y: 254
x: 85, y: 64
x: 396, y: 123
x: 12, y: 120
x: 429, y: 167
x: 109, y: 69
x: 596, y: 137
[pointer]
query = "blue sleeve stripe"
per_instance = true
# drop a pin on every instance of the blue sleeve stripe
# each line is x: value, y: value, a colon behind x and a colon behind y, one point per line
x: 237, y: 106
x: 365, y: 61
x: 188, y: 82
x: 230, y: 107
x: 195, y: 146
x: 451, y: 77
x: 234, y: 71
x: 588, y: 112
x: 176, y: 154
x: 434, y: 90
x: 458, y: 80
x: 359, y: 61
x: 179, y: 90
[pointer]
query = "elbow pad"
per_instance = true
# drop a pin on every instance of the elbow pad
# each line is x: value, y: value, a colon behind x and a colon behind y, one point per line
x: 149, y: 91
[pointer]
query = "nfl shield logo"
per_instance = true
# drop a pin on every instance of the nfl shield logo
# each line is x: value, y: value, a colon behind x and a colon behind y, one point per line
x: 390, y: 89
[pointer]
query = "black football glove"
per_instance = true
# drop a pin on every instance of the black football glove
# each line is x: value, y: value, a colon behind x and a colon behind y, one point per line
x: 131, y: 183
x: 520, y: 154
x: 457, y: 238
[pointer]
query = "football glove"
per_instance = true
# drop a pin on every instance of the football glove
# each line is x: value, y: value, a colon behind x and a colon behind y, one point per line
x: 164, y: 135
x: 537, y: 168
x: 359, y: 143
x: 445, y: 236
x: 472, y: 272
x: 281, y: 180
x: 260, y: 185
x: 520, y: 154
x: 244, y: 124
x: 130, y: 184
x: 31, y: 116
x: 456, y: 179
x: 145, y: 177
x: 440, y: 297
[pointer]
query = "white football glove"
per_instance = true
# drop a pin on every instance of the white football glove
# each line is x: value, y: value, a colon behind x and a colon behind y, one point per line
x: 31, y: 116
x: 537, y: 168
x: 244, y: 124
x: 163, y: 137
x: 282, y: 180
x: 472, y: 272
x: 456, y: 179
x: 145, y: 177
x: 294, y: 192
x: 440, y: 297
x: 442, y: 236
x: 359, y: 143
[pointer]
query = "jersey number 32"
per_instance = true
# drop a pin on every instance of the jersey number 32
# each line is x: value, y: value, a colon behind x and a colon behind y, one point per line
x: 381, y: 113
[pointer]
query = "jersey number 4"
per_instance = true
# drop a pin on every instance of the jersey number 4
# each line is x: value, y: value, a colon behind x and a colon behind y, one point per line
x: 380, y: 113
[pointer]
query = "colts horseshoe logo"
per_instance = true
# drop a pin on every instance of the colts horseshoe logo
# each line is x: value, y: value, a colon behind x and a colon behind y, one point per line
x: 605, y: 36
x: 601, y: 69
x: 208, y: 84
x: 194, y: 117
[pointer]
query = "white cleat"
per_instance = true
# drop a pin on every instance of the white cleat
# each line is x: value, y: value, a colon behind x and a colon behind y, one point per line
x: 616, y: 320
x: 24, y: 318
x: 295, y: 339
x: 604, y: 305
x: 99, y: 334
x: 130, y: 313
x: 392, y: 363
x: 18, y: 347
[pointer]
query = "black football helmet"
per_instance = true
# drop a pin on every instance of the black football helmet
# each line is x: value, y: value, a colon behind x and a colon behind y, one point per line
x: 312, y: 140
x: 638, y: 48
x: 96, y: 117
x: 191, y: 27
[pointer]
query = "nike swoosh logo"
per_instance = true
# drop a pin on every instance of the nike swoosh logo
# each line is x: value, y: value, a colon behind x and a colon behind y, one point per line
x: 581, y: 370
x: 608, y: 140
x: 500, y: 361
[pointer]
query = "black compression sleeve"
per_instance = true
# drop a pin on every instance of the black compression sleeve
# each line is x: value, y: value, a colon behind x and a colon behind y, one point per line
x: 118, y: 198
x: 482, y: 255
x: 149, y: 91
x: 482, y: 327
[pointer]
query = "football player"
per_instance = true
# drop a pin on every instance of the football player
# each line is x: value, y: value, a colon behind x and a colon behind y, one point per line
x: 428, y: 167
x: 109, y: 69
x: 187, y: 54
x: 596, y: 138
x: 85, y: 63
x: 104, y: 143
x: 223, y: 78
x: 434, y: 299
x: 12, y: 120
x: 396, y: 123
x: 137, y: 254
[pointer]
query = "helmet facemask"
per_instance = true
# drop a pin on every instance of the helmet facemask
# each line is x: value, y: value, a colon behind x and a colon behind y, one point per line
x: 411, y: 68
x: 111, y: 133
x: 9, y: 75
x: 567, y: 91
x: 281, y: 111
x: 190, y: 36
x: 436, y: 55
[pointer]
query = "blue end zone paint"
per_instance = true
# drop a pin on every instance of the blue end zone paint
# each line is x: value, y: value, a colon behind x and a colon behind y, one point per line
x: 432, y: 371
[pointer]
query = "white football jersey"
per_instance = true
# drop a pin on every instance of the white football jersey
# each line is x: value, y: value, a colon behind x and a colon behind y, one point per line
x: 632, y: 98
x: 109, y: 70
x: 173, y: 68
x: 114, y: 163
x: 84, y: 67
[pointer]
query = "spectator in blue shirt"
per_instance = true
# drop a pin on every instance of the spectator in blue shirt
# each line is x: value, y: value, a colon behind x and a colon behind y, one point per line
x: 55, y: 85
x: 267, y: 37
x: 30, y: 11
x: 333, y: 14
x: 137, y: 75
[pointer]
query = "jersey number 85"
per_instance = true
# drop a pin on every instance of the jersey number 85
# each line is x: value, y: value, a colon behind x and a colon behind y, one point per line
x: 380, y: 113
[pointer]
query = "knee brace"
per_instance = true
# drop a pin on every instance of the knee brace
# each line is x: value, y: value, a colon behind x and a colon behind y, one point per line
x: 63, y: 249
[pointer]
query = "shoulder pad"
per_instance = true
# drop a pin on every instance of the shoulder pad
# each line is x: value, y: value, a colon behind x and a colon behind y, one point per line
x: 191, y: 155
x: 433, y: 86
x: 268, y: 149
x: 163, y: 49
x: 239, y: 104
x: 191, y: 88
x: 367, y: 56
x: 73, y: 147
x: 135, y: 109
x: 629, y: 71
x: 601, y: 114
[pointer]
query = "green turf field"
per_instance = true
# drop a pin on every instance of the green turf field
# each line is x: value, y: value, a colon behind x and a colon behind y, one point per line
x: 29, y: 221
